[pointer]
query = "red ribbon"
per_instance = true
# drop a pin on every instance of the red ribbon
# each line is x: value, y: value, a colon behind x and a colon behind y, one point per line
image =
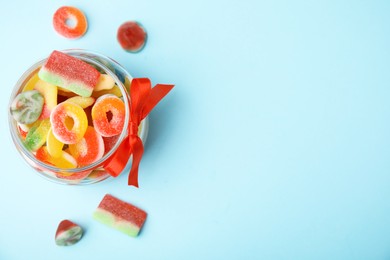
x: 143, y: 98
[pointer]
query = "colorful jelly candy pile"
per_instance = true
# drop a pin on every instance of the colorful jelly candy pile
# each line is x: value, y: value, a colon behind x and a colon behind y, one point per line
x: 66, y: 111
x: 120, y: 215
x: 68, y: 233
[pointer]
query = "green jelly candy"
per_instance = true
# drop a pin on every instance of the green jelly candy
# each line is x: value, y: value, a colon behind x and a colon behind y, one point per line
x: 36, y: 137
x: 27, y: 107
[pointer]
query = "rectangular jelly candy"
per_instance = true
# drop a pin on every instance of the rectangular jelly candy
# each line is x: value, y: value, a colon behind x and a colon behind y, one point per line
x: 69, y: 73
x: 120, y: 215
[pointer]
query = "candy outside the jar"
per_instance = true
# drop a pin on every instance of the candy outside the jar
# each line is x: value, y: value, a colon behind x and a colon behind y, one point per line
x: 69, y: 73
x: 68, y: 233
x: 120, y: 215
x: 131, y: 36
x: 70, y: 13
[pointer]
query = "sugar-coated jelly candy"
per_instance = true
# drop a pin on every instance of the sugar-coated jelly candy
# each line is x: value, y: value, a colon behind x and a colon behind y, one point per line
x: 54, y: 146
x: 83, y: 102
x: 109, y: 142
x: 131, y: 36
x: 113, y: 91
x: 70, y: 73
x: 64, y: 161
x: 69, y: 122
x: 49, y: 93
x: 67, y: 14
x: 68, y: 233
x: 27, y: 106
x: 120, y: 215
x: 89, y: 149
x: 108, y: 115
x: 73, y: 177
x: 36, y: 136
x: 31, y: 83
x: 105, y: 82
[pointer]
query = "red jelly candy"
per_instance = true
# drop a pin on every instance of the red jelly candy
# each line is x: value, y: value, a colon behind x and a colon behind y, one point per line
x: 68, y: 233
x: 89, y: 149
x: 131, y: 36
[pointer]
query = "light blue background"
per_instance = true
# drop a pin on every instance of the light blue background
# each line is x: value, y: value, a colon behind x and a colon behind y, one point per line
x: 274, y: 144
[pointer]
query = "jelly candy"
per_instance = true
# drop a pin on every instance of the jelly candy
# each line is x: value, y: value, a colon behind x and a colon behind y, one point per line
x: 36, y: 137
x: 49, y: 93
x: 105, y: 82
x: 62, y: 17
x: 68, y: 233
x: 69, y: 122
x: 120, y: 215
x: 70, y: 73
x: 64, y: 161
x: 26, y: 108
x: 109, y: 142
x: 54, y: 147
x: 108, y: 115
x: 131, y: 36
x: 83, y: 102
x: 31, y: 83
x: 113, y: 91
x: 74, y: 177
x: 89, y: 149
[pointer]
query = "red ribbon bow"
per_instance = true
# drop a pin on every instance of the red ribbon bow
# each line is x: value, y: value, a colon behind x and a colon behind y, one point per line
x: 143, y: 98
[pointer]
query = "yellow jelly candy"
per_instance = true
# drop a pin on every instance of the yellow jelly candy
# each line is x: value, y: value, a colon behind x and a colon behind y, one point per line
x: 64, y: 161
x: 69, y: 122
x: 115, y: 91
x: 31, y: 83
x: 83, y: 102
x: 49, y: 93
x: 105, y: 82
x: 54, y: 147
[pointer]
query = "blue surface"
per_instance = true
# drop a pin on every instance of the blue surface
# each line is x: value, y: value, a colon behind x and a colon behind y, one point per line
x: 274, y: 143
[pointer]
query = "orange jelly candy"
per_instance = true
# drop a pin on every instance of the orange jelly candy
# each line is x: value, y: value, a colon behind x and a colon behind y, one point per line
x: 108, y: 115
x: 70, y: 22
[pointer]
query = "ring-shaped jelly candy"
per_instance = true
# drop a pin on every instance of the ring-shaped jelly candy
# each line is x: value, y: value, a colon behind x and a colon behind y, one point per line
x: 108, y: 115
x: 67, y: 14
x: 69, y: 122
x: 89, y: 149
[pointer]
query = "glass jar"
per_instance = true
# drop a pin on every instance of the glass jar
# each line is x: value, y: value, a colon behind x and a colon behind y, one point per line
x: 94, y: 172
